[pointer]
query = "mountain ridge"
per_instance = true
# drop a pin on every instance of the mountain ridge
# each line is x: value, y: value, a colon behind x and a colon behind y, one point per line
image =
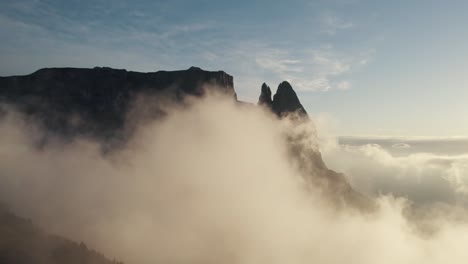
x: 99, y: 98
x: 103, y: 97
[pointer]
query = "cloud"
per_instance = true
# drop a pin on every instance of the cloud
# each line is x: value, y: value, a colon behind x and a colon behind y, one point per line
x: 211, y: 183
x: 401, y: 145
x: 330, y: 24
x: 145, y: 36
x: 344, y: 85
x: 276, y: 60
x: 102, y: 35
x: 320, y: 69
x: 424, y: 178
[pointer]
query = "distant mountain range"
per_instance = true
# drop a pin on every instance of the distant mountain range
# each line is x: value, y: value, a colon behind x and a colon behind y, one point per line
x: 96, y: 102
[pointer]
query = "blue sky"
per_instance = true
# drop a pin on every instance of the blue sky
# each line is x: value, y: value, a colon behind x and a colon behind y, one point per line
x: 396, y: 68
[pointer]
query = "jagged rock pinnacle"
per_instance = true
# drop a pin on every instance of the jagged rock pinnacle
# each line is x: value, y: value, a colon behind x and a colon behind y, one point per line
x: 285, y: 100
x: 265, y: 96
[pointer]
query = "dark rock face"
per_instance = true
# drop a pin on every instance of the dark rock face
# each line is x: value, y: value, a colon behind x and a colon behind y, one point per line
x: 265, y: 97
x: 95, y: 101
x: 285, y: 100
x: 332, y: 185
x: 308, y: 158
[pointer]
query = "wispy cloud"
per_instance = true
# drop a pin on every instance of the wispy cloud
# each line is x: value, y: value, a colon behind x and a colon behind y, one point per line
x: 142, y: 37
x: 277, y: 61
x: 144, y: 42
x: 319, y: 69
x: 343, y: 85
x: 330, y: 24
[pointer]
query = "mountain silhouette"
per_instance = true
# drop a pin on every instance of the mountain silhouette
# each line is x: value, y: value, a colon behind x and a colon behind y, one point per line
x: 95, y: 103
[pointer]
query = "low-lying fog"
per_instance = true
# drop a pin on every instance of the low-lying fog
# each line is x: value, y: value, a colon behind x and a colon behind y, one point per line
x: 213, y: 184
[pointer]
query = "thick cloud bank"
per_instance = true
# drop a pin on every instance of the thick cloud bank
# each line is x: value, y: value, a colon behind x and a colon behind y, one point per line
x: 212, y: 183
x: 434, y: 175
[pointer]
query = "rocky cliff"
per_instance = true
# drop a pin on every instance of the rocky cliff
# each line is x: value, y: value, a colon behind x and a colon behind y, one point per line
x: 284, y: 102
x: 95, y: 101
x: 265, y: 96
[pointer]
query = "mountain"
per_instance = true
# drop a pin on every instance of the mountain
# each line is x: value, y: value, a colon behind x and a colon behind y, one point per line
x: 285, y: 100
x: 265, y: 97
x: 95, y: 102
x: 286, y: 104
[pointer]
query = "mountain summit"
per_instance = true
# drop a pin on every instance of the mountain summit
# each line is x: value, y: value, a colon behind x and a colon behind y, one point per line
x: 285, y: 100
x: 265, y: 96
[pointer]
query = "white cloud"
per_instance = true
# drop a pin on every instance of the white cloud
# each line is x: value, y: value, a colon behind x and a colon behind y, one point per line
x: 330, y: 24
x: 401, y: 145
x: 277, y: 61
x: 186, y: 28
x: 319, y: 69
x: 344, y: 85
x: 424, y: 178
x: 151, y: 43
x: 141, y: 206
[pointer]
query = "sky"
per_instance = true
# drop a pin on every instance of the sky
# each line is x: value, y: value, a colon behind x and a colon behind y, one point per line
x: 379, y: 68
